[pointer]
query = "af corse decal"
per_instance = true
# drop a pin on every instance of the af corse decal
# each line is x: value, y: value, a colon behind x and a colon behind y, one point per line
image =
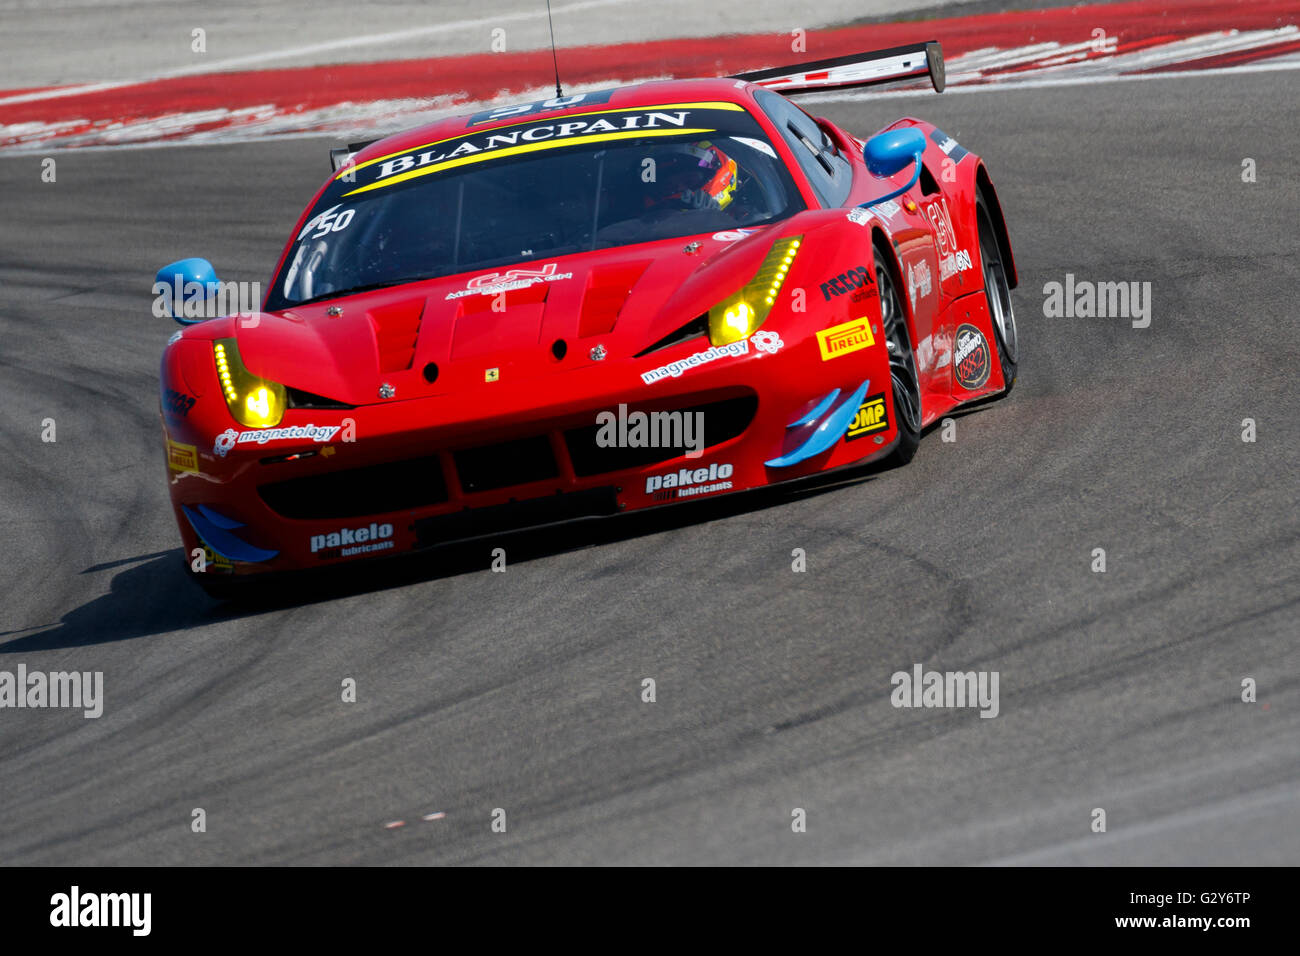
x: 855, y: 278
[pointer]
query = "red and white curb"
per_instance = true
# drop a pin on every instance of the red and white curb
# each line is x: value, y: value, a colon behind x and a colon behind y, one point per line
x: 1044, y: 47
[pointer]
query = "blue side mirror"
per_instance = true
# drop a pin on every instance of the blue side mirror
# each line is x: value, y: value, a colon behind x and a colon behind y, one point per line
x: 185, y: 286
x: 889, y: 153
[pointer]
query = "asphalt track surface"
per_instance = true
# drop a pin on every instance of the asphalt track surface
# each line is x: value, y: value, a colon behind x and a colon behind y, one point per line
x: 521, y: 690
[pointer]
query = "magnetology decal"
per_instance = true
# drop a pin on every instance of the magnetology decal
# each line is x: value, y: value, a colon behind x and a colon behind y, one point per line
x: 260, y: 436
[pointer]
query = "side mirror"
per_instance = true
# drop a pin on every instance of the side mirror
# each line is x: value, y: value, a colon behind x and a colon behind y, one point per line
x: 184, y: 282
x: 889, y: 153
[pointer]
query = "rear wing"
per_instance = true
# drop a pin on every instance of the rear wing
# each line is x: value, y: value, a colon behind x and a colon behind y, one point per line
x: 340, y: 155
x: 842, y: 72
x: 857, y: 69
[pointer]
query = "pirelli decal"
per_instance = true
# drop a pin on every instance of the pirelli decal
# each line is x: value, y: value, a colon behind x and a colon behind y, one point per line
x: 844, y: 338
x: 530, y: 136
x: 182, y: 458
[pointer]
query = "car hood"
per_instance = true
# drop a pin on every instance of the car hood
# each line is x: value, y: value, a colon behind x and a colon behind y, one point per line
x: 526, y: 321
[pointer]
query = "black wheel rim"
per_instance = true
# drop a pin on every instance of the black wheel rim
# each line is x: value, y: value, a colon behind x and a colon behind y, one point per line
x: 902, y: 364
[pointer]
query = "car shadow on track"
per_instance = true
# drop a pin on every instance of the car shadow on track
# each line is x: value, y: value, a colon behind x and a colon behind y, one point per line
x: 155, y: 596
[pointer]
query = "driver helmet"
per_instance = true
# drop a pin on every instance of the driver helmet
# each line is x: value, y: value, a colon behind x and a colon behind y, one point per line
x: 697, y: 175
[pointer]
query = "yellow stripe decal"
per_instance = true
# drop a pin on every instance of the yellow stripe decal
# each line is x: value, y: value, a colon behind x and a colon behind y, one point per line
x: 534, y: 119
x: 517, y: 150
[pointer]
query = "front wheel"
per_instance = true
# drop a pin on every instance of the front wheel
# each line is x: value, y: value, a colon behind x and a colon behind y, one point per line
x: 904, y: 381
x: 998, y: 293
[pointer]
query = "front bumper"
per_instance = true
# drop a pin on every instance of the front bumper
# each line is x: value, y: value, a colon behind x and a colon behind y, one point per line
x: 404, y: 475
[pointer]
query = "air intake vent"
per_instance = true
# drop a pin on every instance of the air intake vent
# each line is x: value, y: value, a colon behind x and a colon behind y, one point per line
x: 723, y: 421
x: 691, y: 330
x: 374, y: 489
x: 300, y: 399
x: 607, y: 289
x: 516, y: 462
x: 397, y: 327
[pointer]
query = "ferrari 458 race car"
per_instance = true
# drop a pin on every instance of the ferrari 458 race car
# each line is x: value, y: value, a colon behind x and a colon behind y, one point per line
x: 589, y: 305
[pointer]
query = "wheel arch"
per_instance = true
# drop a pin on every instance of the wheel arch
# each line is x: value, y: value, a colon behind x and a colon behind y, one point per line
x: 984, y: 189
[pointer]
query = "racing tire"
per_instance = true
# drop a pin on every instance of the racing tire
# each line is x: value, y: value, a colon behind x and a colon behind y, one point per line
x: 997, y: 292
x: 904, y: 380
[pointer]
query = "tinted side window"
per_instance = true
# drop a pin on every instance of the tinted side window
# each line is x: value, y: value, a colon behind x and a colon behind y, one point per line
x: 828, y: 171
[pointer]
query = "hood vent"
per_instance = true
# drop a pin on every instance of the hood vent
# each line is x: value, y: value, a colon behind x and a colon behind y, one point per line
x: 297, y: 398
x: 397, y: 327
x: 691, y: 330
x: 607, y: 289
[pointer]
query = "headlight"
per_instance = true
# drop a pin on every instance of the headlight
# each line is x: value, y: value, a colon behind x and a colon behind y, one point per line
x: 253, y: 401
x: 741, y: 315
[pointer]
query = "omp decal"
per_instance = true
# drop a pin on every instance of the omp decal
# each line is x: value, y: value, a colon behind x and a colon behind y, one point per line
x: 845, y: 338
x: 215, y: 561
x: 871, y: 418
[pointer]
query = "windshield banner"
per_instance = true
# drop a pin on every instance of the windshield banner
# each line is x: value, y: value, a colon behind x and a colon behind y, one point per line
x: 671, y: 119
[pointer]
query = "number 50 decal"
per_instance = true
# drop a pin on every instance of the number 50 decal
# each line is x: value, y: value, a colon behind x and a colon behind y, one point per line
x: 328, y: 221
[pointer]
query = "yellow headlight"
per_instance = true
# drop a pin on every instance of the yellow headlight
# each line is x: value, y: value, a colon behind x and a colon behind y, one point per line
x: 254, y: 402
x: 741, y: 315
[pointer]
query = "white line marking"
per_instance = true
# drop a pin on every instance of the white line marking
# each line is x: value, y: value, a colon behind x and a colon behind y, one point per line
x: 61, y: 91
x: 328, y: 46
x: 1186, y: 50
x: 342, y: 124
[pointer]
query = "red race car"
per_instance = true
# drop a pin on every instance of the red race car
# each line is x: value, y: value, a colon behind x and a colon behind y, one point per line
x: 593, y: 304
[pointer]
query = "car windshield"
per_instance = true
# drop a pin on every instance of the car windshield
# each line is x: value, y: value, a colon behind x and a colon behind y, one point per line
x: 537, y: 189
